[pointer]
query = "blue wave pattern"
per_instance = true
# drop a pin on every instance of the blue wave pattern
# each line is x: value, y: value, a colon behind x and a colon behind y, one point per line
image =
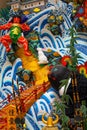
x: 42, y: 105
x: 47, y: 40
x: 2, y: 56
x: 8, y: 74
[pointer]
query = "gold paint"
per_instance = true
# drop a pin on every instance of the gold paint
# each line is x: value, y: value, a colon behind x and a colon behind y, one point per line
x: 15, y: 31
x: 36, y: 10
x: 50, y: 122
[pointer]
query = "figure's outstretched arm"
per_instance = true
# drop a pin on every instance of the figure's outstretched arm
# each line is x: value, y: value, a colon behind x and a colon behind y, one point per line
x: 25, y: 27
x: 5, y: 26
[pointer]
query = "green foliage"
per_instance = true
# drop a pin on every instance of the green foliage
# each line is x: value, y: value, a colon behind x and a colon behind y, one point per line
x: 65, y: 121
x: 66, y: 98
x: 60, y: 105
x: 83, y: 109
x: 72, y: 50
x: 4, y: 13
x: 64, y: 83
x: 60, y: 110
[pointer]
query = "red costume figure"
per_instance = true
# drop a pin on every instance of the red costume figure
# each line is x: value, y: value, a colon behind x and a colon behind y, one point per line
x: 15, y: 34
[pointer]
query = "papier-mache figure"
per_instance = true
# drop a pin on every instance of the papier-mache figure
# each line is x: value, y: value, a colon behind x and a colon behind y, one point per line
x: 41, y: 56
x: 15, y: 34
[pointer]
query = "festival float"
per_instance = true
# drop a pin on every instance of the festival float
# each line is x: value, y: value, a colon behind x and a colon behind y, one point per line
x: 43, y: 65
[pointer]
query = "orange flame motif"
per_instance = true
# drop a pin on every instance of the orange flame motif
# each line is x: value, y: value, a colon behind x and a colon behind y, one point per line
x: 66, y: 60
x: 83, y: 69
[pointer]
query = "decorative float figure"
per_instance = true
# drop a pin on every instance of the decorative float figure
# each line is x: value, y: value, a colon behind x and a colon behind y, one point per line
x: 14, y: 36
x: 54, y: 22
x: 81, y: 13
x: 41, y: 56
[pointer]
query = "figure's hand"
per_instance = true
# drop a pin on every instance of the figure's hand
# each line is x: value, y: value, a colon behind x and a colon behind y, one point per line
x: 6, y: 26
x: 25, y: 27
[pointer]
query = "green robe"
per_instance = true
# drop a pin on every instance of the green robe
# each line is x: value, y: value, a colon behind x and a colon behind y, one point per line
x: 15, y: 33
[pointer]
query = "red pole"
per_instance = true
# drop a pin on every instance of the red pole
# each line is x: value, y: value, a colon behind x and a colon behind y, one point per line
x: 35, y: 93
x: 44, y: 88
x: 8, y: 97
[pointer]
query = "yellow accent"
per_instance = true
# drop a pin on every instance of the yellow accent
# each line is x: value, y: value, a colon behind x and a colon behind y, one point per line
x: 52, y: 17
x: 26, y: 12
x: 26, y: 77
x: 34, y: 38
x: 16, y: 24
x: 61, y: 17
x: 56, y: 54
x: 49, y: 50
x: 15, y: 9
x: 36, y: 10
x: 68, y: 60
x: 81, y: 18
x: 85, y: 21
x: 24, y: 125
x: 82, y: 69
x: 50, y: 128
x: 50, y: 122
x: 74, y: 11
x: 15, y: 31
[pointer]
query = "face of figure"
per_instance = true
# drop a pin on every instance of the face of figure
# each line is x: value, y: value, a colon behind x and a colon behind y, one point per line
x: 16, y: 20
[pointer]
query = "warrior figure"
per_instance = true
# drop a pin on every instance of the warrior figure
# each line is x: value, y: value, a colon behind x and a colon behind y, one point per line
x: 15, y: 34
